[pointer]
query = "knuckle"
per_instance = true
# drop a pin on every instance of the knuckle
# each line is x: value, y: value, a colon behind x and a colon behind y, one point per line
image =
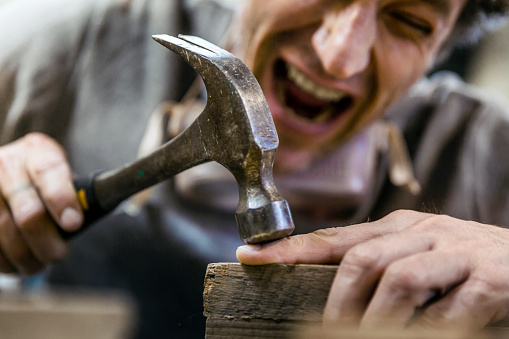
x: 396, y: 213
x: 44, y: 154
x: 406, y: 280
x: 473, y: 296
x: 7, y: 158
x: 36, y: 139
x: 361, y: 258
x: 401, y: 213
x: 325, y: 240
x: 326, y: 233
x: 42, y: 167
x: 29, y: 216
x: 54, y: 196
x: 295, y: 249
x: 432, y: 222
x: 401, y: 219
x: 296, y: 242
x: 476, y: 294
x: 319, y: 247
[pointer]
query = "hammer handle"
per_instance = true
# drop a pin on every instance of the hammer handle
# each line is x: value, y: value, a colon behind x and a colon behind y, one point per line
x: 90, y: 206
x: 103, y: 191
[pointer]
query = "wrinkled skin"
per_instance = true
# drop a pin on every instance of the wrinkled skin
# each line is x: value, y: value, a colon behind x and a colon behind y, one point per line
x: 393, y: 266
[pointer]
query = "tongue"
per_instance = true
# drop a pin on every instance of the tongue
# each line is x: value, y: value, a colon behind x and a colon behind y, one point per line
x: 303, y: 103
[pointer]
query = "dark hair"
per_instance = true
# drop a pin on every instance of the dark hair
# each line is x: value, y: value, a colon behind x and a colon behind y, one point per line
x: 478, y: 17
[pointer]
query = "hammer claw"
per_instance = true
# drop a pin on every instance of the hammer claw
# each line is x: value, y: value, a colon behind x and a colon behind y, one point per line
x: 196, y: 51
x: 203, y: 44
x: 181, y: 46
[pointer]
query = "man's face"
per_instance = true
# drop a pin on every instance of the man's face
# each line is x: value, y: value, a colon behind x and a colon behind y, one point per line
x: 330, y: 67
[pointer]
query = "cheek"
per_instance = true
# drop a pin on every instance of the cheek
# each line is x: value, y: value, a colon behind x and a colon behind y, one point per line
x: 400, y: 65
x: 259, y: 24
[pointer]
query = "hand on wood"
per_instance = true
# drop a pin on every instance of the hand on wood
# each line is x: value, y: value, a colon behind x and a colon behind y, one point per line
x: 36, y: 188
x: 408, y: 269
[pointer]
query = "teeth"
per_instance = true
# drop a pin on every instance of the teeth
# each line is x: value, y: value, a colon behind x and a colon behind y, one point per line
x: 311, y: 87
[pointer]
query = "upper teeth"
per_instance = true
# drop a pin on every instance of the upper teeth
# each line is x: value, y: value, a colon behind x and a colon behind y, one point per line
x: 311, y: 87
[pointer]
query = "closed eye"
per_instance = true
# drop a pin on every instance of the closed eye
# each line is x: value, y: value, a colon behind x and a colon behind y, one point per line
x: 413, y: 22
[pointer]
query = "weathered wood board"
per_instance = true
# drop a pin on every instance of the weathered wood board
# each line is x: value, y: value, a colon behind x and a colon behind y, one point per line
x: 285, y: 301
x: 263, y: 301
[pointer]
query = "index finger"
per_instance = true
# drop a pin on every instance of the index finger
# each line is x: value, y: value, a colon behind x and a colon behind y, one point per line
x: 51, y: 174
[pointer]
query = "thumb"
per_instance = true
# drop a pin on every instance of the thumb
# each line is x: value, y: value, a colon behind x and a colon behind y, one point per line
x: 319, y: 247
x: 325, y: 246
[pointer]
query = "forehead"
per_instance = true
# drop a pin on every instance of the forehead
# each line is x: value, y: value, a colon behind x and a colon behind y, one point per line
x: 441, y: 6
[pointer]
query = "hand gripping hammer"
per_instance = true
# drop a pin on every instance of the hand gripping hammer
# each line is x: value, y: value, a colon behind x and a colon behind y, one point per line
x: 235, y: 129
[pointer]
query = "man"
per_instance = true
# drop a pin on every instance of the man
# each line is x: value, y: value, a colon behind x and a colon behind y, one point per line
x: 369, y: 52
x: 333, y: 73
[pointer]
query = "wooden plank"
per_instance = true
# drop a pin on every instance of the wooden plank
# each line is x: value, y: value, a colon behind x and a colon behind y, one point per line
x: 285, y: 301
x: 263, y: 301
x: 271, y: 292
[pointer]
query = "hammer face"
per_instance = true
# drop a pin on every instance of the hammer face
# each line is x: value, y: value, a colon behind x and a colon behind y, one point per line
x: 267, y: 223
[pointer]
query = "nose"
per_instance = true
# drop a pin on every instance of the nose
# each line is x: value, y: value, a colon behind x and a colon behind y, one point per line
x: 345, y: 38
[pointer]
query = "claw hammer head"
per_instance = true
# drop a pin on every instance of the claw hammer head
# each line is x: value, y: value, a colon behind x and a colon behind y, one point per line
x: 236, y: 130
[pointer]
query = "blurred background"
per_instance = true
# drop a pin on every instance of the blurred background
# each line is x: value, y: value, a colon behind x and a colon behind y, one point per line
x: 484, y: 64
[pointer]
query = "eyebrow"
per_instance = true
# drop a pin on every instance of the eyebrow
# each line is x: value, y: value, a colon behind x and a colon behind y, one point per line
x: 442, y: 6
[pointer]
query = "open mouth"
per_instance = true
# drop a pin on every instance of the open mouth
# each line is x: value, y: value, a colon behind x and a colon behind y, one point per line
x: 307, y: 100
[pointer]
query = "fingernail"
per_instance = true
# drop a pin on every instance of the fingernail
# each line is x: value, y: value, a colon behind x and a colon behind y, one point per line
x: 71, y: 219
x: 249, y: 248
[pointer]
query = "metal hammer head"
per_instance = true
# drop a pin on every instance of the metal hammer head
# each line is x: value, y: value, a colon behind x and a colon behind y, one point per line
x: 236, y: 130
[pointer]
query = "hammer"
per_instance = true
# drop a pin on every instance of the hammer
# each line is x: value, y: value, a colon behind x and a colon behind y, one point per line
x: 235, y: 129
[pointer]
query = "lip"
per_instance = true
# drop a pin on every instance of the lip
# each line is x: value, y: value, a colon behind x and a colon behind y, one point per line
x: 287, y: 120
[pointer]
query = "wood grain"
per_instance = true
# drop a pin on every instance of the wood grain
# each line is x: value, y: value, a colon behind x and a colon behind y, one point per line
x: 263, y: 301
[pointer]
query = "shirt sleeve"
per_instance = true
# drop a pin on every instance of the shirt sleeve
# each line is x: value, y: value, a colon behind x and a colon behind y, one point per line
x: 41, y: 41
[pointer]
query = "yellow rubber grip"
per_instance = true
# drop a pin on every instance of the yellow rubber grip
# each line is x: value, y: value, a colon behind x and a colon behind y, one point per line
x: 82, y: 198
